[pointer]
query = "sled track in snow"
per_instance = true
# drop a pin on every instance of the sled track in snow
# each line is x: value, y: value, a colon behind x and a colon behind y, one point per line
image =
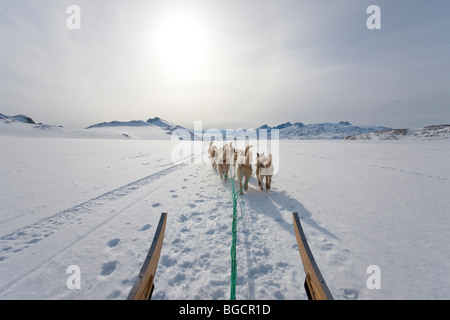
x: 25, y: 237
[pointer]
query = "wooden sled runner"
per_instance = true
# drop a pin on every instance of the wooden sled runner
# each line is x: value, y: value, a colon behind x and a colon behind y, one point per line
x: 315, y: 285
x: 143, y: 286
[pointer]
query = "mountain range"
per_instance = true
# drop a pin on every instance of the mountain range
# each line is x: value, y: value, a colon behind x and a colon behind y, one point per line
x: 425, y: 133
x: 327, y: 131
x: 286, y: 130
x: 157, y: 128
x: 154, y: 124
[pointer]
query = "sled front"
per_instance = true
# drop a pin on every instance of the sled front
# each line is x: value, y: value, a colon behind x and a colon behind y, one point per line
x: 143, y: 286
x: 315, y: 285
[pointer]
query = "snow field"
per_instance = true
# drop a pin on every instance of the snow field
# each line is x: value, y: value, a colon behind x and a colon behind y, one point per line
x: 384, y: 204
x: 96, y: 204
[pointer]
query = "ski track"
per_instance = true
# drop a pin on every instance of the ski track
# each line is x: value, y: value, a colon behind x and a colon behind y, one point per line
x: 24, y: 238
x: 97, y: 213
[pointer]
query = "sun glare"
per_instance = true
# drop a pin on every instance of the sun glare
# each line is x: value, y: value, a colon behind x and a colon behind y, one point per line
x: 181, y: 43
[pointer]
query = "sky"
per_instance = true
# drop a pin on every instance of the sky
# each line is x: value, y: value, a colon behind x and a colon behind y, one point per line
x: 230, y: 64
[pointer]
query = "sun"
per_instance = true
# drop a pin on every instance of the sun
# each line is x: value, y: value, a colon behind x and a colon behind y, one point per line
x: 181, y: 43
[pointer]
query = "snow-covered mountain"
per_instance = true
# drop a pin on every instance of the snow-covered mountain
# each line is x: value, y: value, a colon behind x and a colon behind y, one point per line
x: 158, y: 122
x: 425, y: 133
x: 23, y: 125
x: 325, y: 131
x: 153, y: 128
x: 18, y: 118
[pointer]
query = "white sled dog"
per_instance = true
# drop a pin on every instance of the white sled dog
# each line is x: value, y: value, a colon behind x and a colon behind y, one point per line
x: 264, y: 168
x: 243, y: 167
x: 225, y: 158
x: 213, y: 154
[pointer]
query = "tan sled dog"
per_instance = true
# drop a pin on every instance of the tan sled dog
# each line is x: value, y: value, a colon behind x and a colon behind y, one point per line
x: 264, y: 168
x: 213, y: 154
x: 243, y: 166
x: 225, y: 158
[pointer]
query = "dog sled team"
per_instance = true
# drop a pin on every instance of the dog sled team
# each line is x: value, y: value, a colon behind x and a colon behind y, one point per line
x: 241, y: 162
